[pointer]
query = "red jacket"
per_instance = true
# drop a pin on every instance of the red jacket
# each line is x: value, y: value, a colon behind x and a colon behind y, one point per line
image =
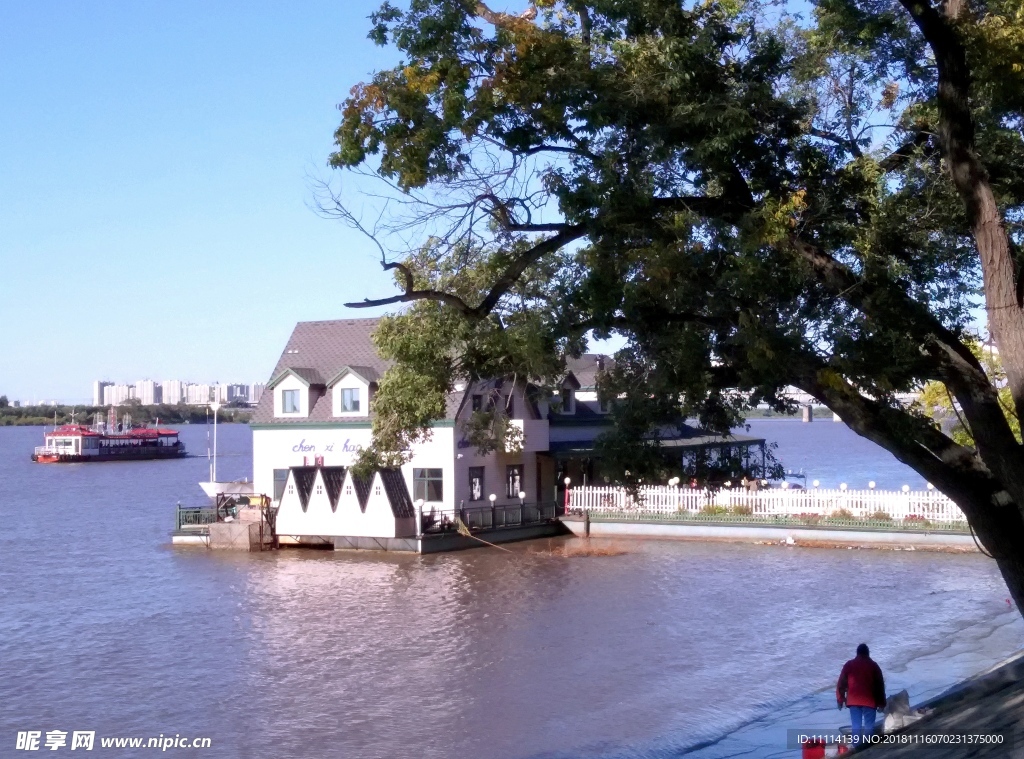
x: 861, y: 684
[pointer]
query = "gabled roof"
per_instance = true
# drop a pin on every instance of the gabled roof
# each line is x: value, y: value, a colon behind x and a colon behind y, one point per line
x: 334, y: 477
x: 397, y: 493
x: 586, y: 368
x: 325, y: 348
x: 367, y: 374
x: 304, y: 477
x: 363, y: 487
x: 305, y: 375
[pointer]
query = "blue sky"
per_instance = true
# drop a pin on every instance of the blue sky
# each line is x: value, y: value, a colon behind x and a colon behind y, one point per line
x: 154, y: 196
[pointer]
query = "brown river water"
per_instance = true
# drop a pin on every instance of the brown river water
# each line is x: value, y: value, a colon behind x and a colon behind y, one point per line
x: 653, y: 649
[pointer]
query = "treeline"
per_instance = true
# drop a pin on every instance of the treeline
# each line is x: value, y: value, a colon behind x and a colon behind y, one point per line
x: 166, y: 413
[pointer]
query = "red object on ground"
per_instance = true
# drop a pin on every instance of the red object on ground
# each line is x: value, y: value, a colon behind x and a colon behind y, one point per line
x: 813, y: 749
x: 861, y: 684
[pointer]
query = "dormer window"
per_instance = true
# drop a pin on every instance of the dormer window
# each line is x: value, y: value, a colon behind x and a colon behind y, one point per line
x: 290, y: 401
x: 568, y: 398
x: 350, y: 399
x: 478, y: 403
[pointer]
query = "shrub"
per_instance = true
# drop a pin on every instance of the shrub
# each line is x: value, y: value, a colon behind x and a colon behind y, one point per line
x: 742, y: 510
x: 842, y: 514
x: 880, y: 516
x: 714, y: 509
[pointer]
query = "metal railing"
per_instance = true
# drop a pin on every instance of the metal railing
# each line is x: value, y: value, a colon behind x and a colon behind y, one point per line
x: 436, y: 521
x: 920, y: 506
x: 188, y: 518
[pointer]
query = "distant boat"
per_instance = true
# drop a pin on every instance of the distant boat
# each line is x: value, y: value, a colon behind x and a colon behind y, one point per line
x: 107, y: 441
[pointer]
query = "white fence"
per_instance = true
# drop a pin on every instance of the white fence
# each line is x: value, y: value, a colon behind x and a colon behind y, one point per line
x: 862, y: 504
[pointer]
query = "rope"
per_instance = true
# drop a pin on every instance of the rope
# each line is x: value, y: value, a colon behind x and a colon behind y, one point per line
x: 463, y: 529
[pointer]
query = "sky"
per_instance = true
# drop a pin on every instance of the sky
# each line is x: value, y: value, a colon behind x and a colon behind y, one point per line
x: 155, y: 194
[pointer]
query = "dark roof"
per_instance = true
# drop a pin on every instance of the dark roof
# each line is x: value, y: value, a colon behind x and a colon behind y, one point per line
x: 304, y: 477
x: 334, y: 477
x: 586, y: 367
x: 398, y: 493
x: 363, y: 486
x: 318, y: 351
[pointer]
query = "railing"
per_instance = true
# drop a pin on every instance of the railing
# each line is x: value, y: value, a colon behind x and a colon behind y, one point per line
x: 186, y: 518
x: 876, y: 505
x: 436, y: 521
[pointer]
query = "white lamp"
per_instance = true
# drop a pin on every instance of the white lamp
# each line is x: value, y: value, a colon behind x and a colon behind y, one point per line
x: 567, y: 480
x: 905, y: 488
x: 784, y: 485
x: 871, y: 484
x: 816, y: 483
x: 930, y: 486
x: 842, y: 486
x: 522, y: 497
x: 492, y: 498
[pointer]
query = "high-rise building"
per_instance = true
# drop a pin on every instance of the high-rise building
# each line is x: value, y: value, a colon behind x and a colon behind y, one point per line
x: 148, y: 392
x: 115, y: 395
x: 197, y: 394
x: 97, y: 392
x: 237, y: 394
x: 256, y: 392
x: 171, y: 391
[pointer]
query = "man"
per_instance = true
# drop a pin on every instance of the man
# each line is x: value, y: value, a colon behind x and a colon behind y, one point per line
x: 862, y: 688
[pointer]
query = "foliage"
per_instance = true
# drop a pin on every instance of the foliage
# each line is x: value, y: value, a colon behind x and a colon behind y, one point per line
x: 749, y: 197
x: 936, y: 400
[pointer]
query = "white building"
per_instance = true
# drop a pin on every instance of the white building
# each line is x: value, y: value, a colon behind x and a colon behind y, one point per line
x: 237, y: 394
x: 115, y: 395
x: 197, y: 394
x: 171, y: 391
x: 148, y: 392
x: 256, y: 392
x: 97, y: 392
x: 316, y: 413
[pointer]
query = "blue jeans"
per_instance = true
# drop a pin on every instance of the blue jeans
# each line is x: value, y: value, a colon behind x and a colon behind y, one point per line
x: 863, y: 719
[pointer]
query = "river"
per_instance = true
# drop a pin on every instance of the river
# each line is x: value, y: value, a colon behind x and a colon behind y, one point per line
x: 666, y: 649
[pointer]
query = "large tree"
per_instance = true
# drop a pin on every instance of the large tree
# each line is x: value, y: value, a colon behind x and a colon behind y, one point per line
x: 749, y: 197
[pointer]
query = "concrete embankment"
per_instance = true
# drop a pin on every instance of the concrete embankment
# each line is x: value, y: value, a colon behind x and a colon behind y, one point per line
x: 802, y: 535
x: 980, y: 717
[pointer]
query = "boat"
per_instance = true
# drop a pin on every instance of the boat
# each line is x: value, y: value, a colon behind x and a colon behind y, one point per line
x: 214, y: 487
x: 107, y: 441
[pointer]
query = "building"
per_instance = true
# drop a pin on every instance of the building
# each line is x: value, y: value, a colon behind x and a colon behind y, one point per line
x: 237, y: 394
x: 171, y: 391
x: 148, y: 392
x: 97, y: 392
x: 197, y: 394
x: 315, y: 417
x: 256, y: 392
x: 115, y: 395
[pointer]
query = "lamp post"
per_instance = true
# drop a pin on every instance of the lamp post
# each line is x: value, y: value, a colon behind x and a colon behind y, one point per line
x: 522, y: 507
x: 567, y: 481
x: 215, y: 406
x: 492, y: 498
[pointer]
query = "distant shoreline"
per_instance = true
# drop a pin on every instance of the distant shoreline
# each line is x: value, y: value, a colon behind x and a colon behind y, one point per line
x: 43, y: 416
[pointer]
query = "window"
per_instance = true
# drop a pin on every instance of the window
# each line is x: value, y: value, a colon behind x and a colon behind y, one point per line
x: 280, y: 478
x: 568, y: 404
x: 478, y: 403
x: 350, y: 399
x: 290, y: 401
x: 513, y: 480
x: 476, y: 483
x: 427, y: 484
x: 604, y: 405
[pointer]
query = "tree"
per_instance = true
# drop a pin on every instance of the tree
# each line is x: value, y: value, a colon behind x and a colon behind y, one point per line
x: 4, y: 403
x: 751, y: 199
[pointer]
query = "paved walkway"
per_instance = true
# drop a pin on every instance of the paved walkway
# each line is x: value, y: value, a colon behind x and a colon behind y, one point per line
x: 990, y: 703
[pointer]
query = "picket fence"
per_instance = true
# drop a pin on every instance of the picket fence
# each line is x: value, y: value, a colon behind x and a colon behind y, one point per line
x: 928, y: 505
